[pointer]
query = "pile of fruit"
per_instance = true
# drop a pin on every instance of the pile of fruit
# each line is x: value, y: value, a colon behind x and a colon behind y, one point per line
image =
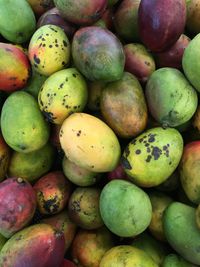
x: 100, y: 133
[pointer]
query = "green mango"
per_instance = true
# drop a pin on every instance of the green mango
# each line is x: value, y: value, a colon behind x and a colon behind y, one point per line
x: 181, y: 231
x: 17, y: 20
x: 22, y: 123
x: 173, y: 260
x: 33, y: 165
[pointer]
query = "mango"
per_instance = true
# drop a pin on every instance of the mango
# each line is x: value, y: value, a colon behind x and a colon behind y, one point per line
x: 5, y: 155
x: 88, y: 247
x: 62, y: 223
x: 193, y: 16
x: 14, y: 69
x: 125, y: 208
x: 94, y: 95
x: 155, y: 249
x: 123, y: 106
x: 12, y: 27
x: 36, y: 245
x: 83, y: 208
x: 78, y: 175
x: 81, y: 12
x: 159, y: 202
x: 191, y: 62
x: 171, y: 99
x: 182, y: 232
x: 52, y: 192
x: 18, y: 204
x: 145, y: 154
x: 126, y: 256
x: 189, y: 171
x: 23, y: 126
x: 49, y: 50
x: 90, y: 143
x: 98, y: 54
x: 31, y: 166
x: 161, y: 23
x: 62, y: 94
x: 174, y: 260
x: 40, y: 6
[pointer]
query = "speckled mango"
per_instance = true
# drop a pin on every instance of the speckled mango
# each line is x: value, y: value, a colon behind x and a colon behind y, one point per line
x: 49, y: 50
x: 52, y: 192
x: 23, y: 126
x: 33, y: 165
x: 90, y: 143
x: 152, y: 157
x: 14, y: 68
x: 171, y: 99
x: 83, y: 208
x: 126, y: 256
x: 62, y: 94
x: 78, y: 175
x: 36, y: 245
x: 123, y: 106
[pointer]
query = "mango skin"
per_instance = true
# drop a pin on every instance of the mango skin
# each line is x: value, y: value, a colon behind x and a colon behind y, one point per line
x: 159, y: 202
x: 14, y: 69
x: 36, y: 245
x: 88, y: 247
x: 90, y: 143
x: 125, y: 208
x: 171, y: 99
x: 191, y: 62
x: 52, y: 192
x: 98, y: 54
x: 126, y: 256
x: 78, y: 175
x: 189, y: 171
x: 13, y: 28
x: 83, y: 208
x: 62, y: 94
x: 145, y: 154
x: 49, y: 50
x: 31, y: 166
x: 193, y: 16
x: 40, y: 6
x: 23, y: 126
x: 182, y: 232
x: 18, y: 205
x: 123, y: 106
x: 5, y: 155
x: 173, y: 260
x: 62, y: 223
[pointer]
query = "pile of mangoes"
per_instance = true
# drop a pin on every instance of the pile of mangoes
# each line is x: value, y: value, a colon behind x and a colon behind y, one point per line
x: 100, y: 133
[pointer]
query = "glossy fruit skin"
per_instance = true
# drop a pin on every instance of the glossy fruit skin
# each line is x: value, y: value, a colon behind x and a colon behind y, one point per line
x: 161, y: 22
x: 81, y: 12
x: 89, y: 247
x: 121, y: 204
x: 52, y: 191
x: 145, y: 154
x: 18, y: 204
x: 98, y: 54
x: 49, y: 50
x: 15, y: 68
x: 40, y: 6
x: 36, y: 245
